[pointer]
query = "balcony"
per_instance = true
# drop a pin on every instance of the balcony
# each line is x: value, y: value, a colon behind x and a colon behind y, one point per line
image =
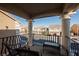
x: 43, y: 45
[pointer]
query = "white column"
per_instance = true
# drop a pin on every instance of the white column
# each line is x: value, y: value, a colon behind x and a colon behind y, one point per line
x: 30, y: 32
x: 65, y: 32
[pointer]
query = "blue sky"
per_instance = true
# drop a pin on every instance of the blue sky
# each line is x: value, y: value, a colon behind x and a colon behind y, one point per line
x: 50, y: 20
x: 47, y: 21
x: 75, y: 18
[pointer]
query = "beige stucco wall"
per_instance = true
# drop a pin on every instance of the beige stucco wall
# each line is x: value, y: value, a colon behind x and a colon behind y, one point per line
x: 12, y: 26
x: 6, y: 21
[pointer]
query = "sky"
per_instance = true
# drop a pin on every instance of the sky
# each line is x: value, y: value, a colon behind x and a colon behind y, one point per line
x: 75, y: 18
x: 49, y: 20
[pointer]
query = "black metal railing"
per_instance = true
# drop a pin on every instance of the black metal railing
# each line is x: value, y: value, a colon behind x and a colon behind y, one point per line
x: 13, y: 41
x: 74, y: 48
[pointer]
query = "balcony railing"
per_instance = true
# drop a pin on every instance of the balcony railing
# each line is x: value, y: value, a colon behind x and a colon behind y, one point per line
x: 49, y: 38
x: 74, y: 48
x: 13, y: 41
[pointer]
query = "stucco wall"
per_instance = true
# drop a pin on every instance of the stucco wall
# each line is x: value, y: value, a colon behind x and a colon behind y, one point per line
x: 6, y: 21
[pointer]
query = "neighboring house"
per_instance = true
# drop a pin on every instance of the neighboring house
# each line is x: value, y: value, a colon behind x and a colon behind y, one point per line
x: 55, y: 29
x: 52, y: 29
x: 39, y: 29
x: 7, y: 25
x: 24, y: 30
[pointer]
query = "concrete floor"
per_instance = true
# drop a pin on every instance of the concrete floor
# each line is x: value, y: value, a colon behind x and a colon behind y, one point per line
x: 46, y: 51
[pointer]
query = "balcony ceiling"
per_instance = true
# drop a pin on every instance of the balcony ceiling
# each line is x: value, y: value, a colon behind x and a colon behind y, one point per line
x: 38, y: 10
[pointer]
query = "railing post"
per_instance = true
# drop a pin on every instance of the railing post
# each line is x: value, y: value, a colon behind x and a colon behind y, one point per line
x: 51, y: 38
x: 6, y: 43
x: 10, y: 42
x: 2, y: 47
x: 58, y: 38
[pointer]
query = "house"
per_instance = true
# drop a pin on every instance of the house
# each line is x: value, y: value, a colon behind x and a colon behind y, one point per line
x: 55, y: 29
x: 23, y: 29
x: 8, y: 26
x: 39, y: 29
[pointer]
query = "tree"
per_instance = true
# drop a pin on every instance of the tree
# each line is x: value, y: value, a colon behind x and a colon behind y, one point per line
x: 46, y: 32
x: 75, y: 29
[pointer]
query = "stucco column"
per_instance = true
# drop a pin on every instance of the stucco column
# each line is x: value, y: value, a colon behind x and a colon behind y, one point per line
x: 30, y: 32
x: 65, y: 32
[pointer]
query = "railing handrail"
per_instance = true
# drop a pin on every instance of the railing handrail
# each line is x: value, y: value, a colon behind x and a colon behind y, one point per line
x: 9, y: 36
x: 70, y: 39
x: 40, y: 34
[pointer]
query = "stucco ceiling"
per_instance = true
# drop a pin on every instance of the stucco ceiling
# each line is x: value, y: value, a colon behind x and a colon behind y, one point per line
x: 37, y: 10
